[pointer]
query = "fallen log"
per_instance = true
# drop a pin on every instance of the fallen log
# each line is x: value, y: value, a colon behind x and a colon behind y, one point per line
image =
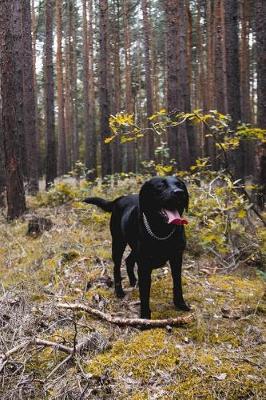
x: 134, y: 322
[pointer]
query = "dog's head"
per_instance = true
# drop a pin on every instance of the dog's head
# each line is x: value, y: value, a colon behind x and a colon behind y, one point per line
x: 166, y: 197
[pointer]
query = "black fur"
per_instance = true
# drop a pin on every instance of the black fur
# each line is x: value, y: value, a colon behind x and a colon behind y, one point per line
x: 127, y: 227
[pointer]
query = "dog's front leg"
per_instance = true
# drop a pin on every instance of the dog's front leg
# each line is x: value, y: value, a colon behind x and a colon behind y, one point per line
x: 176, y: 269
x: 144, y: 275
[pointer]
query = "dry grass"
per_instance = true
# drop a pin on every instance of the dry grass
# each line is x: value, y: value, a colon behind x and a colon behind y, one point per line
x: 220, y: 356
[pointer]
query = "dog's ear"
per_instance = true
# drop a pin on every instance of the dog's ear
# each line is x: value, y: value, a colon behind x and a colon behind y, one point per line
x: 146, y: 196
x: 184, y: 187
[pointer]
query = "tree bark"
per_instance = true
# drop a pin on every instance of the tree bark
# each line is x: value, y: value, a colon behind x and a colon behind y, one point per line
x: 62, y: 152
x: 177, y: 97
x: 51, y: 168
x: 106, y: 157
x: 29, y: 101
x: 11, y: 109
x: 130, y: 162
x: 148, y: 79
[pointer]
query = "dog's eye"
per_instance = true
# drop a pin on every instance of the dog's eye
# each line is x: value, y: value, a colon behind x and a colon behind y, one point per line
x: 160, y: 186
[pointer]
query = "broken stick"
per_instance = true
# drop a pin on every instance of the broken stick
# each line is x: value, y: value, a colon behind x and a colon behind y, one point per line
x: 134, y: 322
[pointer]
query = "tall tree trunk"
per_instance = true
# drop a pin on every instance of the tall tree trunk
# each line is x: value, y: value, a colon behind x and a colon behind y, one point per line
x: 117, y: 148
x: 245, y: 61
x: 261, y: 61
x: 2, y: 156
x: 219, y: 57
x: 72, y: 82
x: 129, y: 106
x: 29, y: 101
x: 62, y: 152
x: 148, y: 79
x: 261, y: 94
x: 233, y: 77
x: 106, y: 159
x: 10, y: 123
x: 49, y: 96
x: 88, y: 89
x: 92, y: 100
x: 16, y: 20
x: 177, y: 79
x: 34, y: 60
x: 232, y: 59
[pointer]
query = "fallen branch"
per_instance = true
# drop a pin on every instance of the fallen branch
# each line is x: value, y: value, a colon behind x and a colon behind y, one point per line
x: 135, y: 322
x: 44, y: 343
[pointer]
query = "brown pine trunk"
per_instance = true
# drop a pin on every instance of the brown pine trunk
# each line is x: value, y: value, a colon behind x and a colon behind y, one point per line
x: 2, y: 156
x: 117, y: 147
x: 10, y: 124
x: 106, y: 158
x: 245, y: 62
x: 232, y: 59
x: 233, y: 77
x: 177, y: 80
x: 29, y: 100
x: 261, y: 61
x: 148, y: 79
x: 88, y: 92
x: 16, y: 20
x: 261, y: 94
x: 49, y: 96
x: 92, y: 100
x: 129, y: 106
x: 72, y: 82
x: 34, y: 59
x: 219, y: 55
x: 210, y: 148
x: 62, y: 154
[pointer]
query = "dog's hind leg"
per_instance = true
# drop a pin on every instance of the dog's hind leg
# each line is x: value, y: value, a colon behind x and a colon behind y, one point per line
x: 130, y: 262
x: 118, y: 247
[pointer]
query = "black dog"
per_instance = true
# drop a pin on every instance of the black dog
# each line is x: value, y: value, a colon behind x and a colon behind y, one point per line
x: 152, y: 225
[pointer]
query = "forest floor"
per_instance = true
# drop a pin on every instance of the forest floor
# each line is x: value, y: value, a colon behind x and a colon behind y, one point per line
x: 219, y: 355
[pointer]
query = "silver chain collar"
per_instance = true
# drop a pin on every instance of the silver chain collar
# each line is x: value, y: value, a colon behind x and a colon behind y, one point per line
x: 148, y: 228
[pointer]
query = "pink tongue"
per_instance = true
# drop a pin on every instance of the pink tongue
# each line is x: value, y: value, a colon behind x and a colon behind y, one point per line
x: 175, y: 218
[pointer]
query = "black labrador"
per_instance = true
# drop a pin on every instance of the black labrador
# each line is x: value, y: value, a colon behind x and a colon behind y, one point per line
x: 152, y: 224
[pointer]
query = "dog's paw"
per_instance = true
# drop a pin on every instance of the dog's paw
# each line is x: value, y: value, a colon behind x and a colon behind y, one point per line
x: 119, y: 292
x: 132, y: 281
x: 182, y: 306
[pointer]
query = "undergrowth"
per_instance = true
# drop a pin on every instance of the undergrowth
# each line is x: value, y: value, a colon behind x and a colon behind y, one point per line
x: 218, y: 356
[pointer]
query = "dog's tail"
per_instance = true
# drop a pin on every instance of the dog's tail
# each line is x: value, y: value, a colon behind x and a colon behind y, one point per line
x: 103, y: 204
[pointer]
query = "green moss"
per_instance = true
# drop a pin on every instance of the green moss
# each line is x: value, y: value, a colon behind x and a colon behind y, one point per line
x: 140, y: 356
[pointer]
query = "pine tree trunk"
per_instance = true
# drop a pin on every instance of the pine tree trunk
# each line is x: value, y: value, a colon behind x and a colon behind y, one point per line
x: 233, y: 77
x: 129, y: 106
x: 10, y: 114
x: 29, y: 101
x: 2, y: 156
x: 261, y: 61
x: 117, y: 148
x: 232, y: 59
x: 16, y: 20
x: 219, y: 56
x: 148, y: 79
x: 261, y: 94
x: 72, y: 84
x: 51, y: 168
x: 62, y: 153
x: 92, y: 100
x: 106, y: 158
x: 178, y: 98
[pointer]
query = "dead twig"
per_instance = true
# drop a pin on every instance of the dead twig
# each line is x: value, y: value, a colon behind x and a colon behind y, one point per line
x: 134, y: 322
x: 45, y: 343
